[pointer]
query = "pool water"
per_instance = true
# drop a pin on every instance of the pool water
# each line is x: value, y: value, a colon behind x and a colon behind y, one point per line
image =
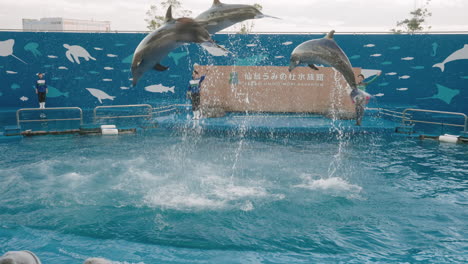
x: 189, y: 197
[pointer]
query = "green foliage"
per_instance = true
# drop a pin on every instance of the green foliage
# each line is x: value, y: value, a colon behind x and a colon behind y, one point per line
x: 156, y: 14
x: 247, y: 27
x: 416, y: 22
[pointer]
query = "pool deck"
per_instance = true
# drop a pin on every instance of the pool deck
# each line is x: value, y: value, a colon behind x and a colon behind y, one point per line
x: 277, y: 123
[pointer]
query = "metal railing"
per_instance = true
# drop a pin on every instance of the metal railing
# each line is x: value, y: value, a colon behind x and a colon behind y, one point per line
x: 404, y: 120
x: 168, y: 108
x: 390, y: 113
x: 148, y: 115
x: 19, y: 120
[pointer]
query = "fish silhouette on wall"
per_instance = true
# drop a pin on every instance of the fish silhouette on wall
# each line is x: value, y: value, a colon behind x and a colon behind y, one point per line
x: 159, y: 88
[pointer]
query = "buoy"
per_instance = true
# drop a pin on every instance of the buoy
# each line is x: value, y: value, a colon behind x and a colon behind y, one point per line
x: 107, y: 126
x: 448, y: 138
x: 110, y: 131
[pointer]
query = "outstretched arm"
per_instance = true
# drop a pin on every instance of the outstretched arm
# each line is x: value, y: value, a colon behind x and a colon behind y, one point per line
x: 373, y: 79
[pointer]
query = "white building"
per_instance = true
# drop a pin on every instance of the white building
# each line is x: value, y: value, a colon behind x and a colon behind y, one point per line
x: 65, y: 24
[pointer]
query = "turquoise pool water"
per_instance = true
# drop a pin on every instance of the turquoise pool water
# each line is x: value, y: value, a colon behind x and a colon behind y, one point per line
x: 189, y: 197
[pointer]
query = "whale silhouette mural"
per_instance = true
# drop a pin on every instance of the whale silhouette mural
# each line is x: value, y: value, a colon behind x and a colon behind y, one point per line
x: 6, y: 49
x: 461, y: 54
x: 33, y: 48
x: 75, y: 52
x: 99, y: 94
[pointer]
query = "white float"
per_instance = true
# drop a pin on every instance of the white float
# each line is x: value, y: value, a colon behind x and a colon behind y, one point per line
x: 109, y: 130
x: 448, y: 138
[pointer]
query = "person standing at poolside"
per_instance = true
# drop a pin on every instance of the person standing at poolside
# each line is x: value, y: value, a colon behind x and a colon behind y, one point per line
x: 193, y: 93
x: 361, y: 97
x: 41, y: 90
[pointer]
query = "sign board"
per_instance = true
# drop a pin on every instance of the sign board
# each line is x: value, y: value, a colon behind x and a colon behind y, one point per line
x: 275, y: 89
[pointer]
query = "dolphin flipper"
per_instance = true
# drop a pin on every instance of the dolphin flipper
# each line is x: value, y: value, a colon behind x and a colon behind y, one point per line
x: 313, y: 67
x: 160, y: 67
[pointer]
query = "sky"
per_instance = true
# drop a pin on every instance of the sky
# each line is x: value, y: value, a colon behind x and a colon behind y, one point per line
x: 296, y: 15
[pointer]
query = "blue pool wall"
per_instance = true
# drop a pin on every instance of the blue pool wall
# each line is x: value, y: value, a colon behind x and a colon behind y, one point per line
x: 408, y: 79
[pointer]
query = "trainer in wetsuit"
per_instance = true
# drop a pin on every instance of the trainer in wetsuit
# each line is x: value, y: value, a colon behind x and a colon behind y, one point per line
x: 41, y: 90
x: 361, y: 97
x: 193, y: 93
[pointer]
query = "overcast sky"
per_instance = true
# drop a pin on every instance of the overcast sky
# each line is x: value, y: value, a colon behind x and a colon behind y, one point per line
x: 296, y: 15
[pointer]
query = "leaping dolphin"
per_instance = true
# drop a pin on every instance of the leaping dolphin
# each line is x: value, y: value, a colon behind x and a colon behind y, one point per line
x: 157, y: 45
x: 323, y: 51
x: 221, y: 16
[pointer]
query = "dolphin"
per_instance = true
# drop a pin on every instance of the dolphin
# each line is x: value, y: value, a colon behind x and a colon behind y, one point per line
x: 323, y: 51
x: 158, y: 44
x: 221, y: 16
x: 96, y: 261
x: 19, y: 257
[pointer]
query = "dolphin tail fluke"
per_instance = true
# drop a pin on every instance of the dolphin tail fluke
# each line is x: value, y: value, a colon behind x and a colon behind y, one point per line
x: 439, y: 65
x: 267, y: 16
x: 66, y: 94
x: 112, y: 98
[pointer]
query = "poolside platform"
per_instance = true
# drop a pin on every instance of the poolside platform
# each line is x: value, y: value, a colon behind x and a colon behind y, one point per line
x: 261, y: 123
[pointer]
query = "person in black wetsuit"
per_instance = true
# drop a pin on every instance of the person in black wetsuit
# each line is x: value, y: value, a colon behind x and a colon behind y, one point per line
x: 193, y: 92
x: 41, y: 90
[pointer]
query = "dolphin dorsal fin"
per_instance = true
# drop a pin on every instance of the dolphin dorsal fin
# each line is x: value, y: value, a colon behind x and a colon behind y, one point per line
x: 169, y: 14
x: 330, y: 34
x: 216, y: 2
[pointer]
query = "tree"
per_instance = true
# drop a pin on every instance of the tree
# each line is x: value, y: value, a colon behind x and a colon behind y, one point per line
x: 416, y: 22
x: 247, y: 27
x: 156, y: 14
